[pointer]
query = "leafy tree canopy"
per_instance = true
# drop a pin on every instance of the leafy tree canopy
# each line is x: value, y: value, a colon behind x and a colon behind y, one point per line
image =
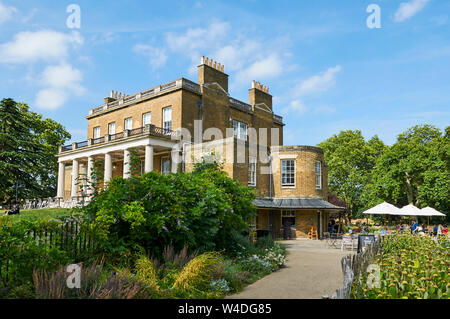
x: 350, y: 160
x: 28, y: 145
x: 415, y: 170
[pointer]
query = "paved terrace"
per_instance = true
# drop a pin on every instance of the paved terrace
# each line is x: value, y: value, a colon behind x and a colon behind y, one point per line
x: 312, y: 271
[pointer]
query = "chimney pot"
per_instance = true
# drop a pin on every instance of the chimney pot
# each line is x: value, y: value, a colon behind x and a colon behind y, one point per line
x: 203, y: 60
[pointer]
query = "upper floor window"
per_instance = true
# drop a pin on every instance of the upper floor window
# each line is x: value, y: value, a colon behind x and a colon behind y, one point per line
x: 97, y: 132
x: 112, y: 128
x: 288, y: 173
x: 167, y: 119
x: 240, y: 130
x: 318, y: 175
x: 252, y: 171
x: 128, y: 123
x: 146, y: 119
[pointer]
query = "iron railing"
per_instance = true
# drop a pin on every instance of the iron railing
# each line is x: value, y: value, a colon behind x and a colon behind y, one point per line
x: 152, y: 130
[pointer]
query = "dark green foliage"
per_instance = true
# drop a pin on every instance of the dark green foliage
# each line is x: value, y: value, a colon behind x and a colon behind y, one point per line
x: 415, y: 170
x: 350, y: 160
x: 28, y: 145
x: 199, y: 209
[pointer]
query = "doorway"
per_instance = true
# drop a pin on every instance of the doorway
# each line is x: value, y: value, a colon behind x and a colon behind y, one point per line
x: 288, y: 225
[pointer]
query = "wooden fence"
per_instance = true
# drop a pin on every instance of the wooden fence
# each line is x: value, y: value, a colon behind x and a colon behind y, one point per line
x: 353, y: 266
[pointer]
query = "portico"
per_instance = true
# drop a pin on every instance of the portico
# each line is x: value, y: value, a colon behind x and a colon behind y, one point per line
x: 113, y: 157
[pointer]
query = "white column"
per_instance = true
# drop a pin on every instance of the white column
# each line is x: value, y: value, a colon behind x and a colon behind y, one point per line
x: 75, y: 172
x: 175, y: 160
x: 126, y: 164
x: 148, y: 158
x: 61, y: 176
x: 108, y: 168
x: 90, y: 168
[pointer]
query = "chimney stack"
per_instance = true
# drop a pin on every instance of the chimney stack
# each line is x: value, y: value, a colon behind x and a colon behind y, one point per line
x: 259, y: 94
x: 210, y: 71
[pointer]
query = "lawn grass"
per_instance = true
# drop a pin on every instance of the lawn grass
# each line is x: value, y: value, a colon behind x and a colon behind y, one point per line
x: 40, y: 214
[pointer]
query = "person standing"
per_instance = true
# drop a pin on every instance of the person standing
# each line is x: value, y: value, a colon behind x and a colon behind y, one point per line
x: 414, y: 227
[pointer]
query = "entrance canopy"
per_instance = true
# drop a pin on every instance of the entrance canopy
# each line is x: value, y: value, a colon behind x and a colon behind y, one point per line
x: 295, y: 203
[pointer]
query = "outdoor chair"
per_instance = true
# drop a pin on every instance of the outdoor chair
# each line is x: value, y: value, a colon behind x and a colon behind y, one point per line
x: 347, y: 241
x: 313, y: 233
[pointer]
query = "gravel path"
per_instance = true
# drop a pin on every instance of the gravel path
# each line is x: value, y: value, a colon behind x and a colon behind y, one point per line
x: 312, y: 271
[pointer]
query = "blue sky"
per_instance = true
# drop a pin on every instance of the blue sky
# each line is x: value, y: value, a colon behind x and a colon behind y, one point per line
x: 325, y: 68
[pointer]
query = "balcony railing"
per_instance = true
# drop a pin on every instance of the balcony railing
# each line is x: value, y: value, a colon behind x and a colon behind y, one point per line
x: 66, y: 148
x: 180, y: 83
x: 81, y: 144
x: 98, y: 140
x: 149, y: 129
x: 277, y: 119
x: 117, y: 136
x: 240, y: 105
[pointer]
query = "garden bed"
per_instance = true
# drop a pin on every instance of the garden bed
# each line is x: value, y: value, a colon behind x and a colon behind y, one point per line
x: 411, y: 267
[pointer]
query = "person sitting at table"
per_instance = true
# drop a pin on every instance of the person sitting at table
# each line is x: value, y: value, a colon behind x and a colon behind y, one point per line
x: 331, y: 225
x: 445, y: 230
x: 439, y: 230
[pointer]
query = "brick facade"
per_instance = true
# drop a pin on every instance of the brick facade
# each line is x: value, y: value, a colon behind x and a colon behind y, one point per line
x: 209, y: 101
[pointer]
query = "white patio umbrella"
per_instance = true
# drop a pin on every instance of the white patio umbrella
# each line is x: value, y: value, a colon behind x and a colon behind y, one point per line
x: 430, y: 212
x: 383, y: 209
x: 409, y: 210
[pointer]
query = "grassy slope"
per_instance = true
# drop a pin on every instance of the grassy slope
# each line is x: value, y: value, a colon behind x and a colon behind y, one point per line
x: 37, y: 214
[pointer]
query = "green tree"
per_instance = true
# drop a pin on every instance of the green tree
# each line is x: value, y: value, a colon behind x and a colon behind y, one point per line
x: 415, y: 170
x: 201, y: 209
x: 350, y: 160
x: 28, y: 145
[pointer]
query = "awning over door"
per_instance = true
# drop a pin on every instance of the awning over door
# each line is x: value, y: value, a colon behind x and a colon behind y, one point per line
x: 295, y: 203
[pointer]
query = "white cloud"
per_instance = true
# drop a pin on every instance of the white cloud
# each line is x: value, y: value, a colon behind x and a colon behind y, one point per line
x: 407, y: 10
x: 264, y: 68
x: 199, y: 38
x: 60, y: 81
x: 157, y: 56
x: 324, y: 110
x: 295, y: 106
x: 62, y: 76
x: 28, y: 47
x: 6, y: 13
x: 252, y: 58
x: 51, y: 99
x: 318, y: 83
